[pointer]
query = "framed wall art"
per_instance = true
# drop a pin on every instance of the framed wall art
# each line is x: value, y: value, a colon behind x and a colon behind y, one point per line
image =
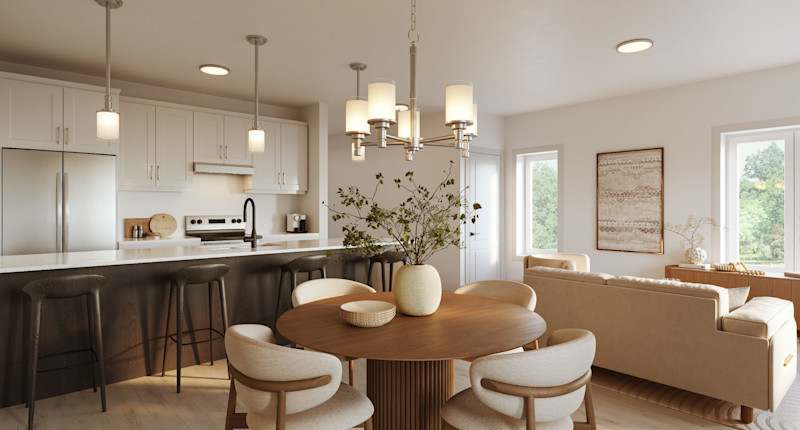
x: 630, y: 201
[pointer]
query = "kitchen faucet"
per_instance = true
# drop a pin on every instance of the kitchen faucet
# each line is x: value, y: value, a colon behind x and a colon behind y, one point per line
x: 253, y: 239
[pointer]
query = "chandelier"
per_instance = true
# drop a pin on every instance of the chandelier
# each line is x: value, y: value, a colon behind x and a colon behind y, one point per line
x: 380, y: 111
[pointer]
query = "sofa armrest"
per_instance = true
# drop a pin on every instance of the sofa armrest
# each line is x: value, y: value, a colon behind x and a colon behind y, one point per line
x: 760, y: 317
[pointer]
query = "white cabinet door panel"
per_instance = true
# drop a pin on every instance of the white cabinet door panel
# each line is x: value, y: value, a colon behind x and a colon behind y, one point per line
x: 31, y: 115
x: 236, y: 152
x: 266, y: 165
x: 294, y: 157
x: 137, y: 140
x: 80, y: 122
x: 174, y: 148
x: 209, y: 134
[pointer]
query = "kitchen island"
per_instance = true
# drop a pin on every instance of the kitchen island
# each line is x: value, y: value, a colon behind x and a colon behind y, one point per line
x: 134, y: 307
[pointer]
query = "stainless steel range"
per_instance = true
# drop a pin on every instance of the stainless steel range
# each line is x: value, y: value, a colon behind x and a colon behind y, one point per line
x: 216, y: 229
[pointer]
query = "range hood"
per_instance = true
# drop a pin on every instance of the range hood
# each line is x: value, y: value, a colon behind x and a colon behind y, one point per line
x: 222, y: 169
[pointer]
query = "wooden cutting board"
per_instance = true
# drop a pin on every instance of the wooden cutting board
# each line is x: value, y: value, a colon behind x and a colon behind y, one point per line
x: 163, y: 224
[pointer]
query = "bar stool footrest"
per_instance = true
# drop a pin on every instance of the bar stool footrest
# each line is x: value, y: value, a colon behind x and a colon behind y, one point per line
x: 94, y: 360
x: 174, y: 337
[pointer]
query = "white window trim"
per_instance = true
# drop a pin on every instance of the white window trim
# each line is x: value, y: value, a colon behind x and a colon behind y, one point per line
x: 521, y: 186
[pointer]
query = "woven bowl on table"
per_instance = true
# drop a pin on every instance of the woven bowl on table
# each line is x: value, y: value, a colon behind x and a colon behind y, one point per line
x: 367, y: 313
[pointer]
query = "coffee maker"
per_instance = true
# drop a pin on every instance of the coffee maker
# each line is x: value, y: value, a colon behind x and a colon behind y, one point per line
x: 296, y: 223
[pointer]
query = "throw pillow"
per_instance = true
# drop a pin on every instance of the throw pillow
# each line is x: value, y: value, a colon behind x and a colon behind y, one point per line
x: 737, y: 296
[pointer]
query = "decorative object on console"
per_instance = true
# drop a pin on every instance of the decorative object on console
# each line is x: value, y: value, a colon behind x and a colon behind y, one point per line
x: 738, y: 267
x: 367, y: 313
x: 428, y: 221
x: 378, y: 110
x: 691, y: 236
x: 630, y: 201
x: 108, y: 118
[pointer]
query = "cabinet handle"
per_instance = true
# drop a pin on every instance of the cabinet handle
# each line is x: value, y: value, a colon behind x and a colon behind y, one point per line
x: 158, y: 172
x: 150, y: 171
x: 284, y: 179
x: 226, y: 152
x: 278, y: 180
x: 58, y: 135
x: 220, y: 152
x: 66, y: 135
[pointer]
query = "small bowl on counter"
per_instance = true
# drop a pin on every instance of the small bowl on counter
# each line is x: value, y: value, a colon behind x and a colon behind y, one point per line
x: 367, y: 313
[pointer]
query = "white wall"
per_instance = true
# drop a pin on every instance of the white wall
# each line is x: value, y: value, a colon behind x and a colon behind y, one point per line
x: 680, y: 119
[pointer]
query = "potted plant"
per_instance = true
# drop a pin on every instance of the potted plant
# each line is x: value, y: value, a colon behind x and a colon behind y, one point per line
x: 691, y: 236
x: 427, y: 221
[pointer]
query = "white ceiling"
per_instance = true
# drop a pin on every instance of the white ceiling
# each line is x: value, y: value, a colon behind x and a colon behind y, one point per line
x: 522, y: 55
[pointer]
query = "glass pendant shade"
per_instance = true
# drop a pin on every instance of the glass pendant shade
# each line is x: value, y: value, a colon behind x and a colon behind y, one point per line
x: 356, y: 109
x: 458, y: 101
x: 381, y: 99
x: 358, y: 157
x: 404, y: 124
x: 255, y: 140
x: 473, y: 129
x: 107, y: 125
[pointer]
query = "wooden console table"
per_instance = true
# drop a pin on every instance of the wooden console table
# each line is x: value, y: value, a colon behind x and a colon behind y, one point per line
x: 779, y: 286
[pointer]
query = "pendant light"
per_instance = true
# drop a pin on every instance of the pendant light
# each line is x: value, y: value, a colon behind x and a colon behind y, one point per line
x: 256, y: 136
x: 108, y: 118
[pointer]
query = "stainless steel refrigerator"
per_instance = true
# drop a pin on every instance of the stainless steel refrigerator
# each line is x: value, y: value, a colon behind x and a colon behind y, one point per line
x: 57, y: 202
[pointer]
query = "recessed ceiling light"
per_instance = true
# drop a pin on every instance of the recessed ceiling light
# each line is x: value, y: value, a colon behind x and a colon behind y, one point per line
x: 400, y: 107
x: 635, y: 45
x: 213, y: 69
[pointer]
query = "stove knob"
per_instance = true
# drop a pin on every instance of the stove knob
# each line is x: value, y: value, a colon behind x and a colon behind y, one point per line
x: 199, y: 221
x: 238, y: 220
x: 193, y: 221
x: 233, y: 220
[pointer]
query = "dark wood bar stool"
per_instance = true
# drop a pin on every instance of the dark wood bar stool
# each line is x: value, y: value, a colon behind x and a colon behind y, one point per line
x: 308, y: 264
x: 195, y: 275
x: 64, y: 287
x: 384, y: 258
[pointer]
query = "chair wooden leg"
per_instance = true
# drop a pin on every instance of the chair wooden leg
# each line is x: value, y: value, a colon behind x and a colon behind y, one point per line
x: 747, y: 414
x: 280, y: 420
x: 535, y: 344
x: 351, y: 372
x: 368, y: 424
x: 530, y: 413
x: 231, y: 407
x: 589, y: 404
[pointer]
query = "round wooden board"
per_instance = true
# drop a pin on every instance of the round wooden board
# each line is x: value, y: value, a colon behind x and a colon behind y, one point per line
x: 163, y: 224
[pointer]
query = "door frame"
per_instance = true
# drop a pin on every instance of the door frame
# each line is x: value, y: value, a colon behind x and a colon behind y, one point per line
x: 501, y: 213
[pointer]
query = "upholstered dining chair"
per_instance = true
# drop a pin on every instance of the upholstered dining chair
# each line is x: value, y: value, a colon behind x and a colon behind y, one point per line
x: 518, y: 391
x: 507, y: 291
x: 579, y: 262
x: 319, y: 289
x: 287, y: 388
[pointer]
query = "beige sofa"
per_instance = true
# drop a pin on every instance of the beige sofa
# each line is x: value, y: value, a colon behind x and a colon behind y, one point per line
x: 675, y: 333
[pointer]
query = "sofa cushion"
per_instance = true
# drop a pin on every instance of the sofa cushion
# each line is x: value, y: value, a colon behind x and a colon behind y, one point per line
x: 760, y: 317
x: 568, y: 275
x: 737, y: 297
x: 719, y: 294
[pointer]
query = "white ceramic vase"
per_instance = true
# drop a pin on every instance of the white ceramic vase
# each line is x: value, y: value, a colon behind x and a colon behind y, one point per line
x: 417, y: 289
x: 695, y: 255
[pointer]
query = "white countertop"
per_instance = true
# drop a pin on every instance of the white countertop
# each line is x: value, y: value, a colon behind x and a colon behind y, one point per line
x: 76, y: 260
x: 161, y: 242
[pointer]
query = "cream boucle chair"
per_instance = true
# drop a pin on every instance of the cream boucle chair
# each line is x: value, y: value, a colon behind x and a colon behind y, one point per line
x: 579, y: 262
x: 507, y: 291
x: 518, y: 391
x: 318, y: 289
x: 286, y: 387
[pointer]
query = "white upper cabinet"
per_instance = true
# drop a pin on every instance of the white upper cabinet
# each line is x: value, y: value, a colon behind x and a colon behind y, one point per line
x: 31, y: 115
x: 209, y: 137
x: 174, y: 148
x: 236, y: 152
x: 283, y: 166
x: 49, y: 117
x: 156, y: 148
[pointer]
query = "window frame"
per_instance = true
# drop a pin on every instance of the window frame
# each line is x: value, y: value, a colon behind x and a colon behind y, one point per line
x: 522, y: 189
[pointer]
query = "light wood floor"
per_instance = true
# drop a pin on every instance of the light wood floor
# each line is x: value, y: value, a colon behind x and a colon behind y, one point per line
x: 151, y: 403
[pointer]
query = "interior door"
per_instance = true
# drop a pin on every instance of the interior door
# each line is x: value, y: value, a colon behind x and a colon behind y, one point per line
x: 483, y: 237
x: 89, y: 202
x: 31, y: 202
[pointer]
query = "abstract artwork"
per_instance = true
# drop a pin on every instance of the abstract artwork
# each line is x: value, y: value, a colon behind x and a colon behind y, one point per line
x: 630, y: 201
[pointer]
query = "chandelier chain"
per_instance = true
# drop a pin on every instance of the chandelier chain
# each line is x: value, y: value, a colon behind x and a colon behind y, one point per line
x: 413, y: 34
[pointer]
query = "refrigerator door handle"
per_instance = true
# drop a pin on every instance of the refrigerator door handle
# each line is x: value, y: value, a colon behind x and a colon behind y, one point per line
x: 66, y: 212
x: 59, y: 208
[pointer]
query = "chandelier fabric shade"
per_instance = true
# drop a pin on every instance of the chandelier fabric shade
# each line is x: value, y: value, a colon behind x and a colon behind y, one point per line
x: 107, y: 125
x: 256, y: 139
x: 461, y: 112
x: 255, y: 136
x: 107, y: 117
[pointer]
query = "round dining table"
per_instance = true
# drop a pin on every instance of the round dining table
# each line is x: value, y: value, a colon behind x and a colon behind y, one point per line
x: 410, y: 360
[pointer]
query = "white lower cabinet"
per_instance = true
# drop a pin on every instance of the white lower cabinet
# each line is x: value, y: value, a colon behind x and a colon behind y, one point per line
x: 156, y: 148
x: 283, y: 166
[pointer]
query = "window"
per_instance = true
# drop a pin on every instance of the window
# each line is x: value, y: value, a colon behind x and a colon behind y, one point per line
x: 538, y: 200
x: 759, y: 204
